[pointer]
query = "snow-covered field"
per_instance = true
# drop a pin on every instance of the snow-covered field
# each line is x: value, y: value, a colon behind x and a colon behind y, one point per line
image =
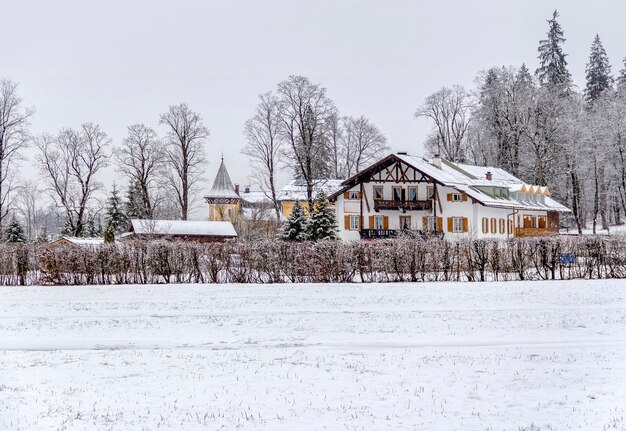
x: 437, y: 356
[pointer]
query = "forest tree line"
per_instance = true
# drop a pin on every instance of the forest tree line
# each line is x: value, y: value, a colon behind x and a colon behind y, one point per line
x: 543, y: 129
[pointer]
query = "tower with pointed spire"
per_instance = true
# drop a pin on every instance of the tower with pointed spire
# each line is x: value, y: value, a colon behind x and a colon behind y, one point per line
x: 223, y: 198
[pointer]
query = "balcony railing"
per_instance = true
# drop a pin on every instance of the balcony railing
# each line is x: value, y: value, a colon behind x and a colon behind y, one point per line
x: 535, y: 231
x: 394, y: 233
x: 426, y: 205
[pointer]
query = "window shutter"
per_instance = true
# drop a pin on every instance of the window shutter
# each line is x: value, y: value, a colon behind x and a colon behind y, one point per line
x: 371, y: 222
x: 450, y: 224
x: 361, y: 223
x: 358, y: 195
x: 449, y: 197
x: 385, y: 222
x: 346, y: 195
x: 464, y: 197
x: 346, y: 222
x: 439, y: 223
x: 425, y: 223
x: 465, y: 224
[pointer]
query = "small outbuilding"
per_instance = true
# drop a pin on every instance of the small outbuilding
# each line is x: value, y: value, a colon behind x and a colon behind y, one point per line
x: 181, y: 230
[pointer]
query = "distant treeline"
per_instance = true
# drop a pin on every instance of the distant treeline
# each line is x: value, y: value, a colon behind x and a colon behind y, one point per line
x: 418, y: 260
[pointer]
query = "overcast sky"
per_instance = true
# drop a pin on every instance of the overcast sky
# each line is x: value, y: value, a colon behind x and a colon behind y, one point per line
x: 118, y: 63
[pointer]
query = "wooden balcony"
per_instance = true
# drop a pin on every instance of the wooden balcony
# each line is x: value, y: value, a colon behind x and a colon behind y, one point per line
x: 394, y: 233
x: 534, y: 231
x: 426, y: 205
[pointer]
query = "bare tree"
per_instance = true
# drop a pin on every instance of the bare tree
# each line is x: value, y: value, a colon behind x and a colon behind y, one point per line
x: 262, y: 132
x: 28, y: 205
x: 14, y: 137
x: 141, y: 159
x: 185, y: 153
x: 449, y: 110
x: 71, y: 161
x: 362, y: 142
x: 335, y: 137
x: 305, y: 112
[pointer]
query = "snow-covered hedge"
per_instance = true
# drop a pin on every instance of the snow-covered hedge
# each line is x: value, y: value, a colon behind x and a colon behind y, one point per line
x: 410, y: 259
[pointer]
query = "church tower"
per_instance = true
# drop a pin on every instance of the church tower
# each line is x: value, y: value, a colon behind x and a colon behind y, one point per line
x: 224, y: 201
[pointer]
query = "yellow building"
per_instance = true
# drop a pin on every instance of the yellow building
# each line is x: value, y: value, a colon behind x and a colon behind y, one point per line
x: 295, y: 191
x: 224, y: 201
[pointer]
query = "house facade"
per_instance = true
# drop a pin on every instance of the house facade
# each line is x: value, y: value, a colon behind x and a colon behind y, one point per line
x: 406, y: 194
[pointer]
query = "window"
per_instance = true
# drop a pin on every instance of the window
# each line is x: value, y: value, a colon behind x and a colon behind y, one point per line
x: 510, y: 226
x: 431, y: 223
x: 353, y: 195
x: 378, y: 192
x: 485, y: 225
x: 501, y: 225
x: 530, y: 222
x: 230, y: 214
x: 379, y: 222
x: 542, y: 222
x: 396, y: 192
x: 493, y: 226
x: 457, y: 224
x: 430, y: 192
x: 354, y: 222
x: 405, y: 222
x: 457, y: 197
x: 412, y: 193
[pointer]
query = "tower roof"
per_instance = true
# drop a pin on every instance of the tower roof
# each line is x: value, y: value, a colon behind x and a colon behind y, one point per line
x: 222, y: 186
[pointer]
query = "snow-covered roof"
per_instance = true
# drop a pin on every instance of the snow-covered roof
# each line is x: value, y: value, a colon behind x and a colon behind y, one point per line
x: 81, y: 241
x: 255, y: 197
x: 295, y: 190
x: 183, y: 228
x: 222, y: 185
x: 470, y: 179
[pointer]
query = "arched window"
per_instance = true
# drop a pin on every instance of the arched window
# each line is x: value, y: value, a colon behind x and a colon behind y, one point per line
x: 485, y: 225
x: 501, y: 222
x: 494, y: 226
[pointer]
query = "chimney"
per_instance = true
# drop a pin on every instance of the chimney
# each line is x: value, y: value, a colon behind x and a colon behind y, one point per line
x: 489, y: 176
x: 437, y: 161
x: 237, y: 188
x: 247, y: 189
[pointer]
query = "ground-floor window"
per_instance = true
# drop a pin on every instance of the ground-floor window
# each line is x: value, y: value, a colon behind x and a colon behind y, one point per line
x: 354, y: 222
x: 485, y: 225
x: 379, y: 222
x: 405, y: 222
x: 542, y: 222
x: 501, y: 223
x: 493, y: 226
x: 457, y: 224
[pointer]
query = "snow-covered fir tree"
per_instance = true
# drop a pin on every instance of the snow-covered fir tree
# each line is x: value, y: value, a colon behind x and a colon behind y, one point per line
x: 115, y: 216
x: 553, y: 66
x: 621, y: 78
x: 93, y: 228
x: 14, y: 232
x: 133, y: 205
x: 322, y: 224
x: 295, y: 228
x: 598, y: 72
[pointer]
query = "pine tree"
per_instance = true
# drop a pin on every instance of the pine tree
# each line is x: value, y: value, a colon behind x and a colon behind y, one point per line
x: 295, y: 228
x: 134, y: 206
x: 598, y: 72
x: 14, y: 232
x: 115, y: 217
x: 322, y: 225
x: 621, y: 78
x: 553, y: 69
x: 109, y: 233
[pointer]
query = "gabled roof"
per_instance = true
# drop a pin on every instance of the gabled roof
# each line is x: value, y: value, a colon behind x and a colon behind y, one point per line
x: 295, y: 190
x: 222, y: 185
x: 183, y: 228
x: 468, y: 179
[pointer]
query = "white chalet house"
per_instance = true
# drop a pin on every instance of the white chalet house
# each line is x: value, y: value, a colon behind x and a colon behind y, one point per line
x: 402, y: 193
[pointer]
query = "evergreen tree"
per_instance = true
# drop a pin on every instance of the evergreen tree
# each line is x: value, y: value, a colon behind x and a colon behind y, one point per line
x: 553, y: 69
x: 322, y: 225
x: 621, y: 78
x: 598, y: 72
x: 524, y: 79
x: 115, y: 217
x: 109, y: 233
x: 14, y: 232
x: 295, y: 228
x: 134, y: 206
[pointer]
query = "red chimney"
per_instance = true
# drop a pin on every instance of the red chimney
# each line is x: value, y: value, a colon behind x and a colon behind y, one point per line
x: 489, y: 176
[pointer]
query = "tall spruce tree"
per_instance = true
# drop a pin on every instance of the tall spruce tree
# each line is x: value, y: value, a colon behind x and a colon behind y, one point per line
x: 598, y: 72
x: 621, y: 78
x: 322, y: 225
x: 553, y: 66
x: 134, y: 206
x: 115, y: 216
x: 14, y: 232
x: 295, y: 228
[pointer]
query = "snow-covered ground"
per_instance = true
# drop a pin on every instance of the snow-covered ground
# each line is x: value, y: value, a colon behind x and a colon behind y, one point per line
x: 436, y: 356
